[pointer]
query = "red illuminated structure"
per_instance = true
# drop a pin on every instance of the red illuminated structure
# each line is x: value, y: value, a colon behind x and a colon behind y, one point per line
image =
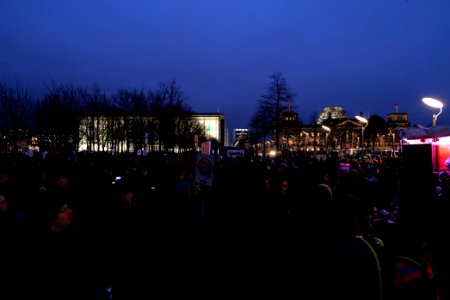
x: 439, y: 139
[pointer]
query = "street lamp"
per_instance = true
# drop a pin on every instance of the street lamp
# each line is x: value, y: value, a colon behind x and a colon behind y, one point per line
x: 364, y: 121
x: 327, y: 132
x: 436, y: 104
x: 392, y: 134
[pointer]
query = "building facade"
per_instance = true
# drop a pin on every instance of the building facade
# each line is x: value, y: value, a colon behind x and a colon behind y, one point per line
x: 334, y: 131
x: 134, y: 133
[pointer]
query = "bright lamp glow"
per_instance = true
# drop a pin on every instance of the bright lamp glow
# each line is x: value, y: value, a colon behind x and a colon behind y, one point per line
x: 328, y: 130
x: 361, y: 119
x: 433, y: 102
x: 365, y: 121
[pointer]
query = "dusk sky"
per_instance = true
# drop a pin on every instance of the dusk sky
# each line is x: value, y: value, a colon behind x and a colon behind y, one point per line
x: 362, y: 55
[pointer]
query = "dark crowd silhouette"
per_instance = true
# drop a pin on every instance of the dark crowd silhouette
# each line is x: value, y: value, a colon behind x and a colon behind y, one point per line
x: 101, y: 226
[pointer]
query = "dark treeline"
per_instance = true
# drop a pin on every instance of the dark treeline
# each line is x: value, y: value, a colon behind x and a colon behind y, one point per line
x: 131, y: 119
x: 160, y: 118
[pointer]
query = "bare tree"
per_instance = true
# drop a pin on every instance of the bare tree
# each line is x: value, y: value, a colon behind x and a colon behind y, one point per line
x: 261, y: 124
x: 174, y: 121
x: 132, y: 121
x: 96, y: 107
x: 16, y: 108
x: 375, y: 127
x: 278, y: 95
x: 58, y: 115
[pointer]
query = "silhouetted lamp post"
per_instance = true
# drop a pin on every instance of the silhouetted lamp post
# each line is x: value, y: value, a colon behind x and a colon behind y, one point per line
x: 364, y: 121
x: 327, y: 132
x: 392, y: 134
x: 436, y: 104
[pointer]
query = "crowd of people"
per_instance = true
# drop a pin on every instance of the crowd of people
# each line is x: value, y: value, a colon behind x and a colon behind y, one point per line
x: 102, y: 226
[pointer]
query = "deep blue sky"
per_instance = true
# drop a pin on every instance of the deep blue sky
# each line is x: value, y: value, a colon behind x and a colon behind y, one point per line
x: 363, y: 55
